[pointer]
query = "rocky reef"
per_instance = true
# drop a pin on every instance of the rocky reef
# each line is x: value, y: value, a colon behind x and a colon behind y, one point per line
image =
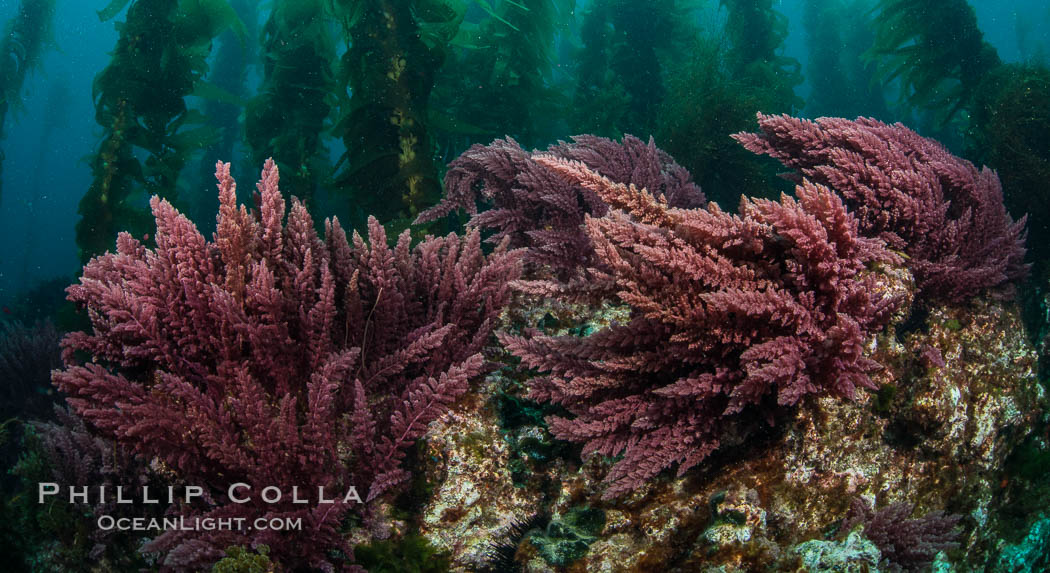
x: 958, y: 392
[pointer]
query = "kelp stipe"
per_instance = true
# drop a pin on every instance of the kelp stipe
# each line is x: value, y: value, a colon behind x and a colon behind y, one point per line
x: 384, y: 83
x: 288, y: 119
x: 140, y: 102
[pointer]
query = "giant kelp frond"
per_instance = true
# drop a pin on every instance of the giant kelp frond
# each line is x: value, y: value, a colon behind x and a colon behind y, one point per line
x: 754, y: 30
x: 1011, y: 133
x: 718, y: 84
x: 223, y: 94
x: 287, y: 119
x: 439, y: 20
x: 755, y: 35
x: 26, y: 37
x: 209, y: 18
x: 503, y: 84
x: 705, y: 104
x: 936, y: 51
x: 140, y: 101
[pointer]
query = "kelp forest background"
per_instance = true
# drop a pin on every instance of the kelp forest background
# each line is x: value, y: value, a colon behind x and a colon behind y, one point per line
x: 363, y: 103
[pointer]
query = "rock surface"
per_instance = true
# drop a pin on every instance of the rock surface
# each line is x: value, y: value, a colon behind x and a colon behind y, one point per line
x: 959, y: 391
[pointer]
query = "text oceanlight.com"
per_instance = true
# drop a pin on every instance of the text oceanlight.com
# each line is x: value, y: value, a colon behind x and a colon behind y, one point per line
x: 108, y: 522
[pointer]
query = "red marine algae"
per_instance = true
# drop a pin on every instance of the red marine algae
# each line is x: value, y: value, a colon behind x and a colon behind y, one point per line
x: 944, y: 213
x: 733, y: 316
x: 277, y: 358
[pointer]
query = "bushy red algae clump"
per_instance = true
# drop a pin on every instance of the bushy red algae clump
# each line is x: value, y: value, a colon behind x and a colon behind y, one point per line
x: 273, y: 357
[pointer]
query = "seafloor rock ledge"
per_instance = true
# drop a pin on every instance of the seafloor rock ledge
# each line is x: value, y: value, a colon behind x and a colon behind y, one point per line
x: 958, y: 393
